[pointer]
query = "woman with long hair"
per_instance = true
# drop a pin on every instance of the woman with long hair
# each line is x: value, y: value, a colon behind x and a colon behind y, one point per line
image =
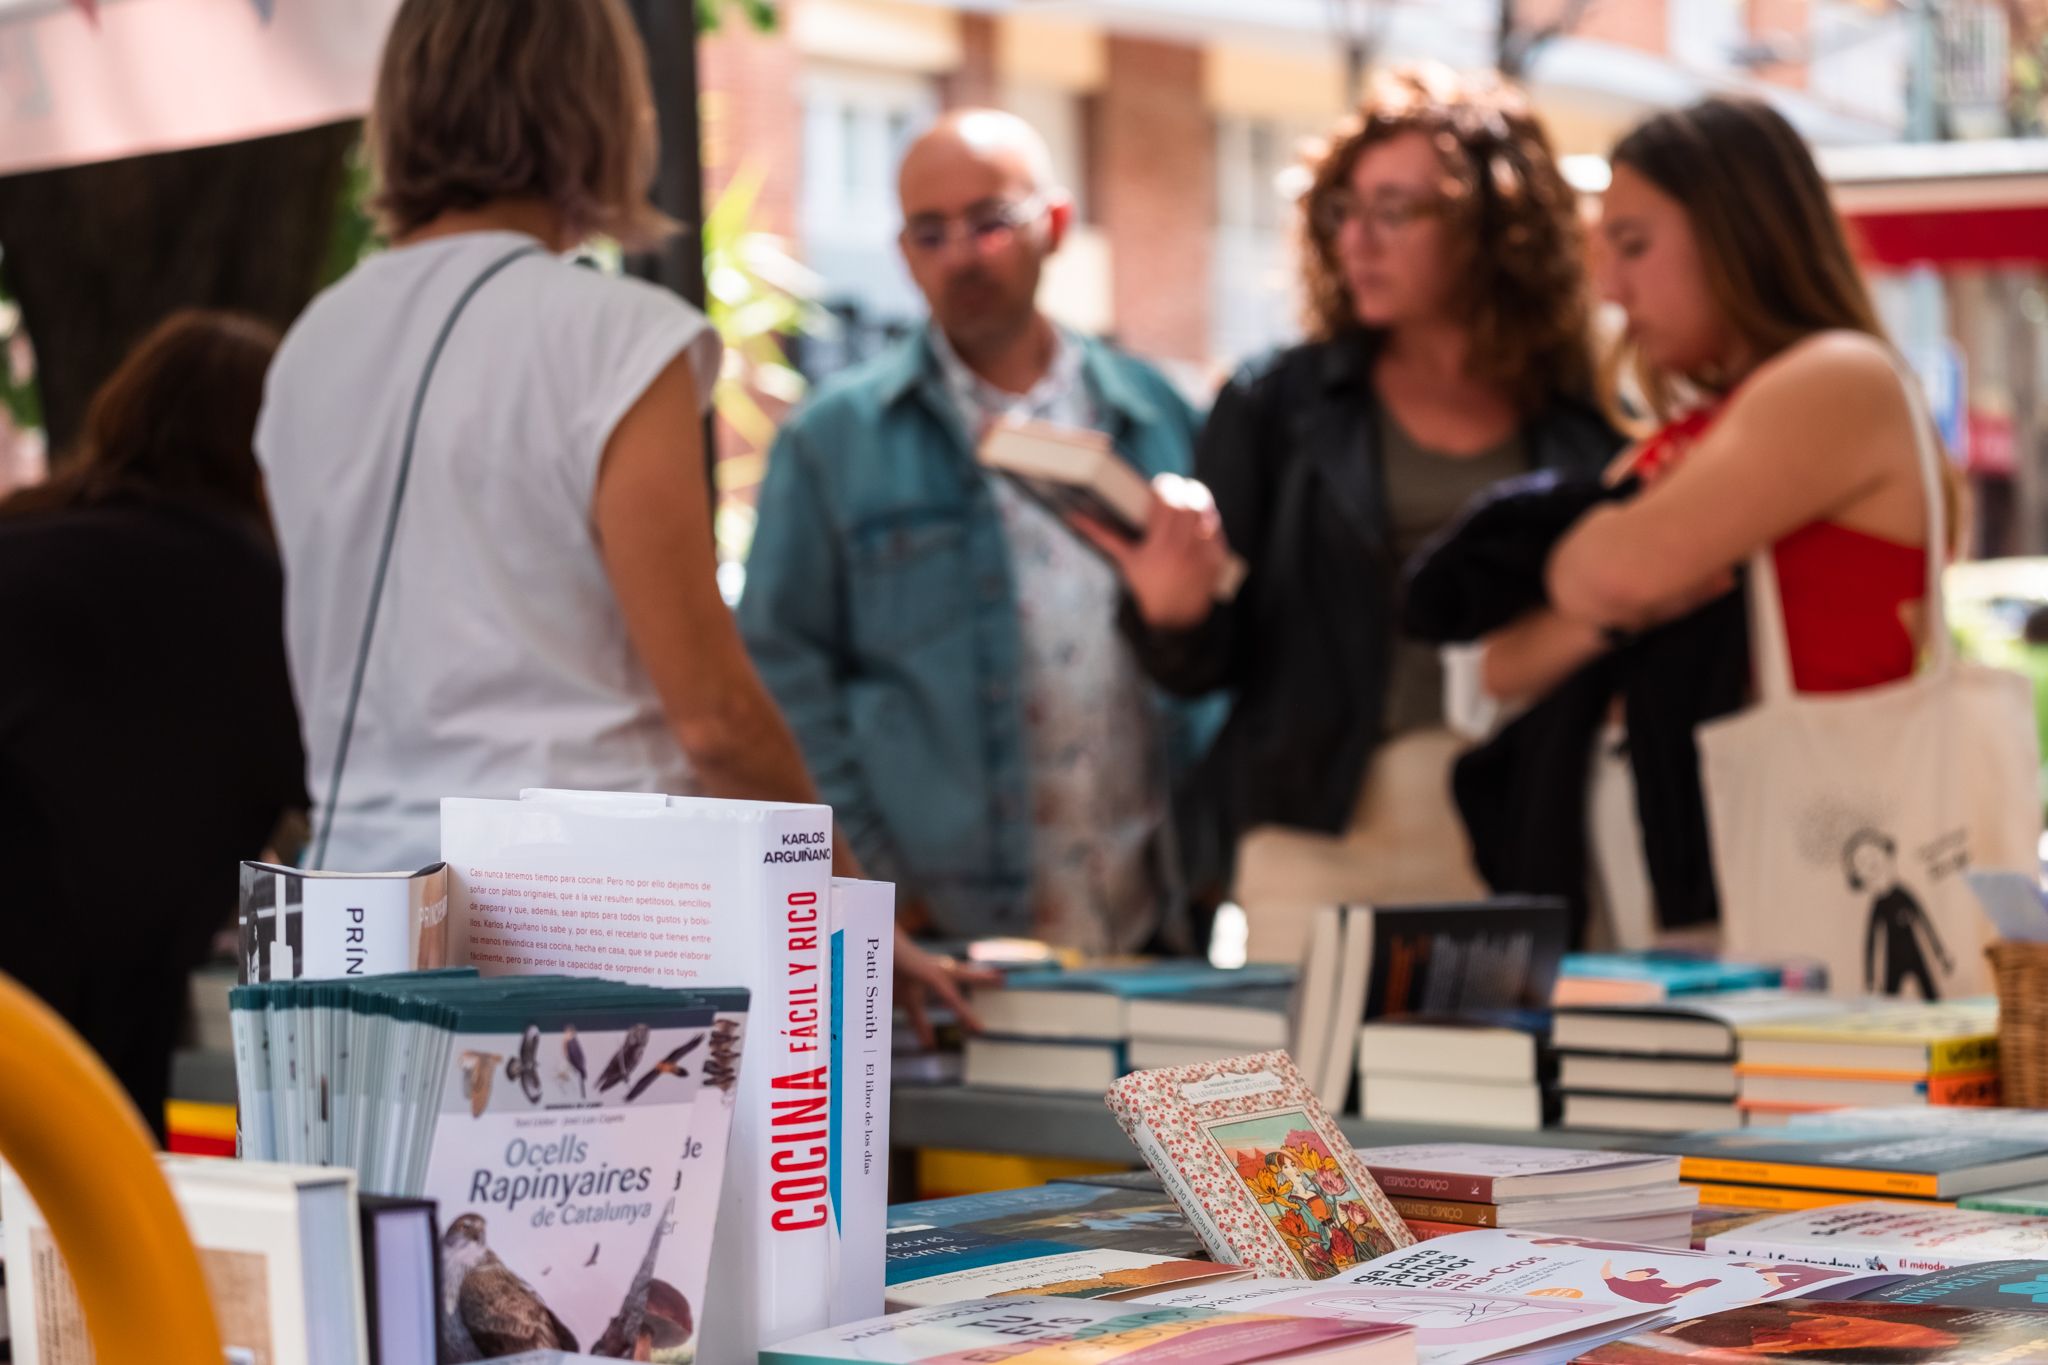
x: 1781, y: 424
x: 495, y: 457
x: 1441, y: 254
x: 148, y: 740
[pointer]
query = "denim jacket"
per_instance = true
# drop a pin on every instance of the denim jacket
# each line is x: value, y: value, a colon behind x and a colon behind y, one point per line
x: 881, y: 612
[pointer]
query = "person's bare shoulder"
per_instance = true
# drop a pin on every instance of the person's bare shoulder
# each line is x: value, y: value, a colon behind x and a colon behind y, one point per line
x: 1827, y: 395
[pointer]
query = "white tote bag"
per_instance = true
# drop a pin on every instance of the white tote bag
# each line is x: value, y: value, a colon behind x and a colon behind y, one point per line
x: 1842, y: 823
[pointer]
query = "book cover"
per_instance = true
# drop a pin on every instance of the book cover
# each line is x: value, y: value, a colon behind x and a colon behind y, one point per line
x: 1081, y: 1215
x: 401, y: 1242
x: 555, y: 1195
x: 1258, y: 1165
x: 863, y: 955
x: 1451, y: 1328
x: 683, y: 891
x: 2013, y: 1286
x: 278, y: 1247
x: 931, y: 1266
x: 291, y: 923
x: 1483, y: 1173
x: 1836, y: 1334
x: 1900, y: 1238
x: 1525, y: 1262
x: 1554, y: 1213
x: 1032, y: 1331
x: 1937, y: 1165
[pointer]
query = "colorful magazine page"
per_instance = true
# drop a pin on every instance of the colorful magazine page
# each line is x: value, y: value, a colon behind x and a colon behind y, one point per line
x: 1043, y: 1331
x: 1528, y: 1263
x: 1450, y: 1328
x: 1836, y: 1334
x: 1258, y: 1166
x: 931, y: 1266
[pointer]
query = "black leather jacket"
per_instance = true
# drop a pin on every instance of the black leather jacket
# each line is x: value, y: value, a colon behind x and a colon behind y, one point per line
x: 1291, y: 452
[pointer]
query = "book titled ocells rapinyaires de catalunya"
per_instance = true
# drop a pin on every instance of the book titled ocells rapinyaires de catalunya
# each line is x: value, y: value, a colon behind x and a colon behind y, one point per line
x: 1258, y: 1166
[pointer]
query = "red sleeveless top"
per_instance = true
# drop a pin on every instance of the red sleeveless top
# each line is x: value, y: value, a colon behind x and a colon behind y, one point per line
x: 1844, y: 591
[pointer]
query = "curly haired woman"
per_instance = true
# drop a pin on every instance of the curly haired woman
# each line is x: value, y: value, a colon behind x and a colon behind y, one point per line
x: 1443, y: 270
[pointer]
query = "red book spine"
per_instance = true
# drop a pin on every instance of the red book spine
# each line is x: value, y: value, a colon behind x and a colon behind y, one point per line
x: 1466, y: 1189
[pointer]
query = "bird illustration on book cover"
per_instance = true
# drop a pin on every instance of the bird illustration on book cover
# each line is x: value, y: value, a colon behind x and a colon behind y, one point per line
x: 1304, y: 1192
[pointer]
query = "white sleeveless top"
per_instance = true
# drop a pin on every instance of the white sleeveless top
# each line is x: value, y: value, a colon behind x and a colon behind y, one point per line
x: 500, y: 659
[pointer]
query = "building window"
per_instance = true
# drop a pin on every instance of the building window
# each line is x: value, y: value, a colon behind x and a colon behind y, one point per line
x: 1254, y: 294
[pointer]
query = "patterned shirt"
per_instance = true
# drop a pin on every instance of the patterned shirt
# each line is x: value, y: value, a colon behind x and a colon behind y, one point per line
x: 1098, y: 766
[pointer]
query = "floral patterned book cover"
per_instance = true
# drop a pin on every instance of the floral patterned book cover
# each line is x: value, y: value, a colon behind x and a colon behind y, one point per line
x: 1258, y: 1166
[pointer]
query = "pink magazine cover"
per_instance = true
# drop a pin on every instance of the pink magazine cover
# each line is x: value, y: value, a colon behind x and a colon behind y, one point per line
x: 1258, y: 1166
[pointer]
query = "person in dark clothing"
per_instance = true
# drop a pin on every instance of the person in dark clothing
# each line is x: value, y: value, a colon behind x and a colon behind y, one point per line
x: 1897, y: 921
x: 148, y: 737
x: 1442, y: 257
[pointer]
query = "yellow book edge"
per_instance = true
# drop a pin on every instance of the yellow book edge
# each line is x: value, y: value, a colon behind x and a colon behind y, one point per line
x: 1701, y: 1169
x: 1793, y: 1201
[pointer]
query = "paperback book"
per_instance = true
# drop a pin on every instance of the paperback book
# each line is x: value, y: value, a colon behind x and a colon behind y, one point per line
x: 1098, y: 1216
x: 1937, y: 1165
x: 863, y: 955
x: 1258, y: 1166
x: 1836, y: 1334
x: 293, y: 923
x: 1530, y: 1263
x: 1485, y: 1174
x: 1893, y: 1237
x: 2011, y: 1286
x: 932, y: 1266
x: 1451, y: 1328
x: 1097, y: 1332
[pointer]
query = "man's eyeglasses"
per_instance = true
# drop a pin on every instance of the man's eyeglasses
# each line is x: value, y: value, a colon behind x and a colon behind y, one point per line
x: 988, y: 227
x: 1385, y: 214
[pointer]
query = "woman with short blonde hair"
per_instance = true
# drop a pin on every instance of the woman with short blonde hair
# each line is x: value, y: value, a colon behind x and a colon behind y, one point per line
x: 486, y: 462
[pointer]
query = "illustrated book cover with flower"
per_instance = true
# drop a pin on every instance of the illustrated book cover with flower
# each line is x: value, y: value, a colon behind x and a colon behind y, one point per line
x: 1259, y: 1167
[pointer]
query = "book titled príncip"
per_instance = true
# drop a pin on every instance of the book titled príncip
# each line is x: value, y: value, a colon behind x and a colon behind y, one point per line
x: 293, y: 923
x: 1260, y: 1169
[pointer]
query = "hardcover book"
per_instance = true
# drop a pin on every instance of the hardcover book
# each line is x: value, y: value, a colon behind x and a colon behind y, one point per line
x: 293, y: 923
x: 1483, y: 1174
x: 683, y: 891
x: 1905, y: 1041
x: 1258, y: 1165
x: 1540, y: 1264
x: 1094, y: 1332
x: 1699, y: 1026
x: 863, y: 953
x: 1836, y: 1334
x: 1896, y: 1237
x: 1450, y: 1328
x: 1938, y: 1165
x: 931, y: 1266
x: 1646, y: 978
x: 278, y: 1247
x: 1098, y: 1216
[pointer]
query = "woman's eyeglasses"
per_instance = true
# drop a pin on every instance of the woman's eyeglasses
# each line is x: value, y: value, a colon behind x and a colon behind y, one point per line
x: 1385, y: 214
x: 987, y: 228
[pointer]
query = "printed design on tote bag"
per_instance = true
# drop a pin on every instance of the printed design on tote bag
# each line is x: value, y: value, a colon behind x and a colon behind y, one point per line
x: 1303, y: 1191
x: 1899, y: 936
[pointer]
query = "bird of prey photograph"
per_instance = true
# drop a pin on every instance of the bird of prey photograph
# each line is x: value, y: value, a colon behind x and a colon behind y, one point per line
x: 670, y: 1065
x: 478, y: 1070
x: 573, y: 1050
x: 525, y: 1068
x: 620, y: 1068
x: 493, y: 1308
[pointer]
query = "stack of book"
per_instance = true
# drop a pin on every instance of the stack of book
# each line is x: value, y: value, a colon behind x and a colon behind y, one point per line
x: 1870, y: 1054
x: 1486, y: 1069
x: 1072, y: 1031
x: 1665, y: 1067
x: 1447, y: 1188
x: 1811, y: 1166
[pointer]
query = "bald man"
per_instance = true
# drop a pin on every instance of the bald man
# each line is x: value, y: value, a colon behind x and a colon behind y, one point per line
x: 945, y: 646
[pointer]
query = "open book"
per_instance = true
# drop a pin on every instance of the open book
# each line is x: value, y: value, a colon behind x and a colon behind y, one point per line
x: 1077, y: 471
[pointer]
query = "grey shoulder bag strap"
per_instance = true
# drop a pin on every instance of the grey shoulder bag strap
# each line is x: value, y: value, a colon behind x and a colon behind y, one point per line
x: 412, y: 428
